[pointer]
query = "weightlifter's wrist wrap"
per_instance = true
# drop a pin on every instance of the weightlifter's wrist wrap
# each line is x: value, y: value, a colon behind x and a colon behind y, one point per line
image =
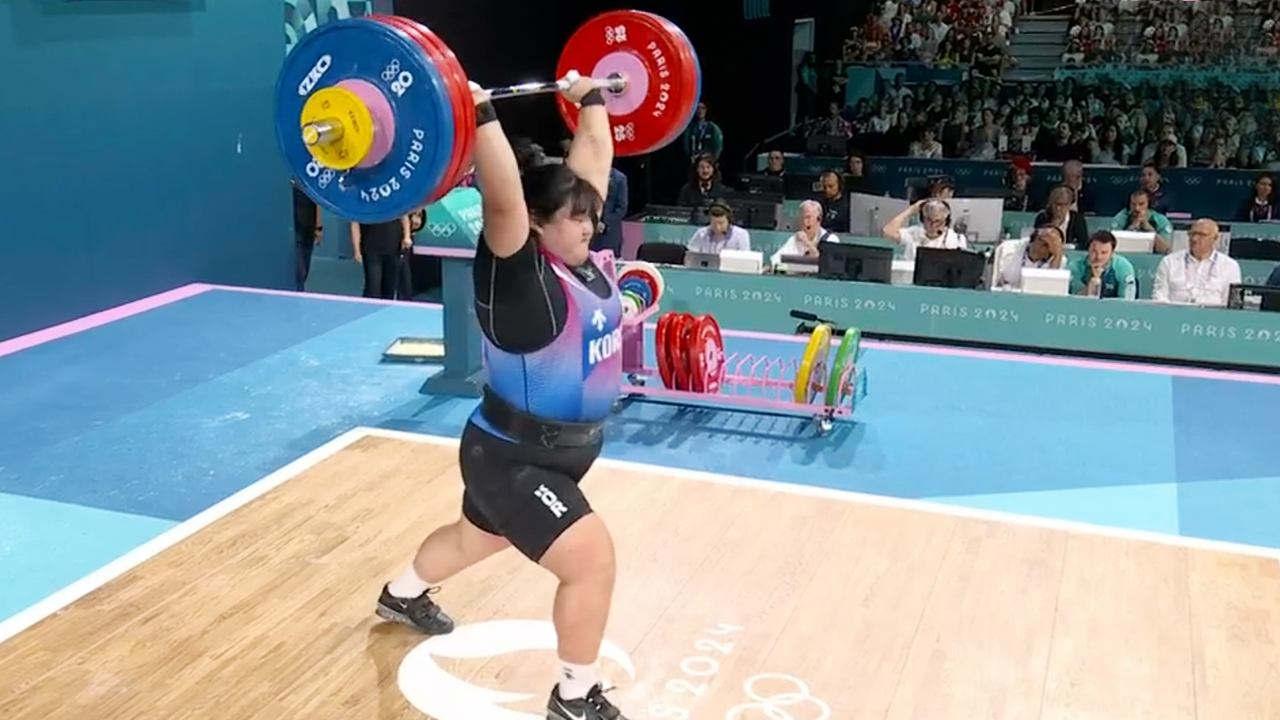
x: 595, y: 97
x: 485, y: 114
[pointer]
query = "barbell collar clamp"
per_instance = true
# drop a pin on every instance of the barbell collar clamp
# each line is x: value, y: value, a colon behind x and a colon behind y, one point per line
x: 322, y: 132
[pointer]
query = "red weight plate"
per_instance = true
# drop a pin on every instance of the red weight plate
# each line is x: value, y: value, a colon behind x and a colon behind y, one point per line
x: 459, y: 94
x: 680, y: 334
x: 465, y: 102
x: 655, y: 61
x: 706, y: 356
x: 687, y: 102
x: 662, y: 348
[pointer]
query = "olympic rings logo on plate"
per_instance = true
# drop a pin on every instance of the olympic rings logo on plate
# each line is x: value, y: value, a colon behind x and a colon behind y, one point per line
x: 777, y: 707
x: 392, y: 69
x: 442, y: 229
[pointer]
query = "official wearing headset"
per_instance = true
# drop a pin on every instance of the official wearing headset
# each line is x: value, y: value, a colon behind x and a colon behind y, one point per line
x: 934, y: 231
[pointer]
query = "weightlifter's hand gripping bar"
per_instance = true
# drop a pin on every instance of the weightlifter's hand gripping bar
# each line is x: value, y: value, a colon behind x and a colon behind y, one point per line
x: 327, y: 131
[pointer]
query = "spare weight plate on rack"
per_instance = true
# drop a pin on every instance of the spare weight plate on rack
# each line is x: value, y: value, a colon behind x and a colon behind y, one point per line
x: 662, y: 349
x: 379, y: 56
x: 640, y: 275
x: 682, y: 327
x: 706, y: 356
x: 653, y: 109
x: 812, y: 374
x: 651, y: 271
x: 638, y: 286
x: 840, y: 387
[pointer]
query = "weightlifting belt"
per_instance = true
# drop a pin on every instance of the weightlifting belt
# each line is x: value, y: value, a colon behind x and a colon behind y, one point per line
x: 523, y: 427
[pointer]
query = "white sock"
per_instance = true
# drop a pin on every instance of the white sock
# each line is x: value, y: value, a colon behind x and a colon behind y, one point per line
x: 576, y: 680
x: 408, y: 585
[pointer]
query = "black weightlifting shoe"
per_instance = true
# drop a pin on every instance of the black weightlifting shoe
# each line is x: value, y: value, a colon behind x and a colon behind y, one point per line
x: 595, y: 706
x: 420, y: 613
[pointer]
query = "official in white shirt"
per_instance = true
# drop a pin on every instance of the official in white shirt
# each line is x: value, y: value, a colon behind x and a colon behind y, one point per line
x: 1042, y: 250
x: 1199, y: 275
x: 805, y: 241
x: 934, y: 230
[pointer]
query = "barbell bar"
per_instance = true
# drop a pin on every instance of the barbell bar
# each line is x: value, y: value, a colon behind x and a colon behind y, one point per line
x: 375, y: 115
x: 330, y: 130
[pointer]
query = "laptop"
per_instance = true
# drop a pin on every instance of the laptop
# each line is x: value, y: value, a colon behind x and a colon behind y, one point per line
x: 709, y: 261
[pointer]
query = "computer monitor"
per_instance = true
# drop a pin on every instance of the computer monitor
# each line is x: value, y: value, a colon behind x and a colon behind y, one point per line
x: 826, y: 146
x: 758, y: 184
x: 754, y: 214
x: 1046, y: 281
x: 1265, y: 298
x: 1247, y: 248
x: 852, y: 261
x: 937, y: 267
x: 1129, y: 241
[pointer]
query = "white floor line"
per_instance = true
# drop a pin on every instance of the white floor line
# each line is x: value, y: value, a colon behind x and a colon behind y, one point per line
x: 82, y: 587
x: 936, y: 508
x: 105, y: 574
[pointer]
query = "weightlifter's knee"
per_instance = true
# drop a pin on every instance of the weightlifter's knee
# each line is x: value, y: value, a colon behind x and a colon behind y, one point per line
x: 583, y: 553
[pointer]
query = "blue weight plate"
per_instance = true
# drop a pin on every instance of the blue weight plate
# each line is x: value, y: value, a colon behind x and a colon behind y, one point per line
x: 386, y: 57
x: 639, y: 287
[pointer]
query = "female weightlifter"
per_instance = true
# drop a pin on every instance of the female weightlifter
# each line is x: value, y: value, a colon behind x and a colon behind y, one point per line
x: 551, y: 320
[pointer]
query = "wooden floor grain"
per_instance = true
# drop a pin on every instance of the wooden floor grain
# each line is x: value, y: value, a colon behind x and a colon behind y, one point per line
x: 729, y: 598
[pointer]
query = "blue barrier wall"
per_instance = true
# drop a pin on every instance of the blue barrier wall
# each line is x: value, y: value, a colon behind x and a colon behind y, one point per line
x: 139, y: 153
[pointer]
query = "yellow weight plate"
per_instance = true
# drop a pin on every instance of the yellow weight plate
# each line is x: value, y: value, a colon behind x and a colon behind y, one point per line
x: 350, y: 124
x: 813, y: 365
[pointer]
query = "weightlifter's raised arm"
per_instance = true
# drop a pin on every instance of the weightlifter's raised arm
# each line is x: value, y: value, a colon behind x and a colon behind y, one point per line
x: 591, y: 152
x: 506, y: 217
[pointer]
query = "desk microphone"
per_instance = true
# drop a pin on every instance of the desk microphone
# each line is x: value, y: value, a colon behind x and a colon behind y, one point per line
x: 802, y: 315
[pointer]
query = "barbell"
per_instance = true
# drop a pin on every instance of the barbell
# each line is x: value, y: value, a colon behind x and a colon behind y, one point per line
x: 376, y: 119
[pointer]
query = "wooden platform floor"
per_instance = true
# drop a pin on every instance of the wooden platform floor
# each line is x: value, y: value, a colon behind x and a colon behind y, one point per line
x: 724, y: 590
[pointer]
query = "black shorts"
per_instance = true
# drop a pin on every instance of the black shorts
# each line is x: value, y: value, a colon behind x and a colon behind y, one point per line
x: 525, y: 493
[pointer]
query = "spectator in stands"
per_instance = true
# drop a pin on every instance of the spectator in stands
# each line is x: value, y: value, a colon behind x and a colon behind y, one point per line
x: 703, y: 137
x: 1200, y: 274
x: 704, y: 183
x: 1042, y: 250
x: 833, y: 123
x: 775, y: 164
x: 1151, y: 181
x: 834, y: 201
x: 804, y: 243
x: 855, y: 168
x: 1073, y: 177
x: 1101, y: 273
x: 719, y: 233
x: 934, y: 231
x: 926, y: 146
x: 1141, y: 217
x: 1058, y: 213
x: 1262, y: 207
x: 1018, y: 199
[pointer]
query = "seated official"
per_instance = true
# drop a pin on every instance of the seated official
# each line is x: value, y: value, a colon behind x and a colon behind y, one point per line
x: 1140, y: 217
x: 804, y: 243
x: 1058, y: 213
x: 1044, y: 249
x: 934, y: 230
x: 1101, y: 273
x: 719, y: 233
x: 835, y: 203
x: 1200, y: 274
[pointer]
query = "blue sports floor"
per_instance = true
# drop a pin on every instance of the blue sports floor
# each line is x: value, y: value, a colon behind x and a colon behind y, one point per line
x: 118, y: 433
